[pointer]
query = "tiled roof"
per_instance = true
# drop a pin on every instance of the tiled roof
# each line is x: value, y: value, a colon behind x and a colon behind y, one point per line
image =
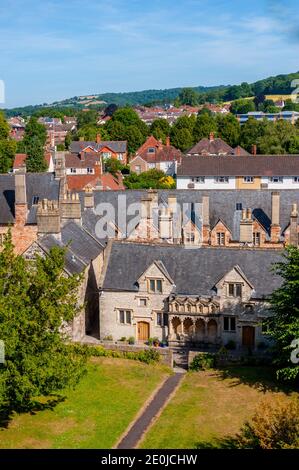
x: 82, y: 247
x: 210, y: 146
x: 20, y: 159
x: 88, y: 160
x: 194, y: 271
x: 116, y: 146
x: 258, y: 165
x: 106, y: 182
x: 42, y: 185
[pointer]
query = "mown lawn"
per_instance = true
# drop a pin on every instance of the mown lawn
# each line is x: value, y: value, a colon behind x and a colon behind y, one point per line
x: 93, y: 415
x: 210, y: 407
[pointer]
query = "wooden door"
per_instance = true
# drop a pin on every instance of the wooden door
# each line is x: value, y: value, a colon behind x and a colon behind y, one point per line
x: 143, y: 330
x: 248, y: 336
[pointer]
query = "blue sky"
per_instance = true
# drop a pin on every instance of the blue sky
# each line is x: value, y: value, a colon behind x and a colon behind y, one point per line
x: 55, y: 49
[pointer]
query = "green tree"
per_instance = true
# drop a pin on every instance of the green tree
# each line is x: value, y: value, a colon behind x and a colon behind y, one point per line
x: 250, y: 132
x: 284, y: 324
x: 87, y: 118
x: 205, y: 124
x: 7, y: 153
x: 160, y: 129
x: 154, y: 179
x: 4, y: 127
x: 113, y: 166
x: 189, y: 96
x: 35, y: 129
x: 242, y: 106
x: 228, y: 128
x: 185, y: 122
x: 35, y: 161
x: 36, y: 298
x: 134, y: 138
x: 181, y: 138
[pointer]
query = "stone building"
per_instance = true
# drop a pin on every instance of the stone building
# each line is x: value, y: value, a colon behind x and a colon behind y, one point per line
x: 199, y: 297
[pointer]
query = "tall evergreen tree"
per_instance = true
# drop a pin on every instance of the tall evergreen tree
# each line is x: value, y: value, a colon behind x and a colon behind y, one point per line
x: 36, y: 299
x: 284, y: 324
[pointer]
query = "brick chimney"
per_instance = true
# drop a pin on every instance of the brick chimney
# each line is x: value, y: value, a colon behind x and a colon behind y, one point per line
x: 254, y: 149
x: 21, y: 207
x: 238, y: 151
x: 294, y: 226
x: 205, y: 220
x: 246, y: 226
x: 98, y: 139
x: 88, y: 198
x: 48, y: 217
x: 211, y: 137
x: 168, y: 141
x: 70, y: 207
x: 275, y: 217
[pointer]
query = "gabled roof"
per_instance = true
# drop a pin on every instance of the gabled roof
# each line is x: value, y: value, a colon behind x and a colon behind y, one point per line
x: 117, y: 146
x: 241, y: 274
x: 212, y: 146
x: 159, y: 264
x: 82, y: 247
x: 194, y: 271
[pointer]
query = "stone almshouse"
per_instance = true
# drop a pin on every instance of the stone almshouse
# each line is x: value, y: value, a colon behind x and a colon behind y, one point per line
x: 190, y: 297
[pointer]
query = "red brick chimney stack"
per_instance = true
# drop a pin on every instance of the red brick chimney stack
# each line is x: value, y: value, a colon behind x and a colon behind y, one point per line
x: 253, y: 150
x: 168, y: 141
x: 98, y: 138
x: 211, y: 136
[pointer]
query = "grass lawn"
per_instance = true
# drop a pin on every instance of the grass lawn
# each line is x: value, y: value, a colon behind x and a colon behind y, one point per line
x: 210, y: 407
x: 93, y: 415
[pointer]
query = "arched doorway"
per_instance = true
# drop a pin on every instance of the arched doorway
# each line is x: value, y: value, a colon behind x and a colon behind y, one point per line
x: 143, y: 330
x: 188, y: 327
x: 212, y: 331
x: 199, y: 329
x: 176, y: 326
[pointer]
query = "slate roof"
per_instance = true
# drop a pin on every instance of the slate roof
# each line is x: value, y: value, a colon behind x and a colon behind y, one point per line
x: 223, y: 205
x: 210, y: 146
x: 82, y: 247
x: 194, y: 271
x: 42, y: 185
x: 117, y: 146
x: 258, y: 165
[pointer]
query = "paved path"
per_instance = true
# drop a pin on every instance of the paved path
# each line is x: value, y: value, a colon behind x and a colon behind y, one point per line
x: 131, y: 439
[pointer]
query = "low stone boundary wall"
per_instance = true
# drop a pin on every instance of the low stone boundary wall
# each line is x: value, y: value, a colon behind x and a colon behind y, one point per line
x: 166, y: 356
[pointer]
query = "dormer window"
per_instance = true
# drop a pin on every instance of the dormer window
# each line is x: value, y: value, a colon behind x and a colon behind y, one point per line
x: 151, y: 150
x: 155, y: 286
x: 276, y: 179
x: 234, y: 289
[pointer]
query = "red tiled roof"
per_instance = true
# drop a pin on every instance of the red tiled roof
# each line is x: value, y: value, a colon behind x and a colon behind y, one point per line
x: 210, y: 146
x: 19, y: 161
x: 107, y: 181
x: 151, y: 141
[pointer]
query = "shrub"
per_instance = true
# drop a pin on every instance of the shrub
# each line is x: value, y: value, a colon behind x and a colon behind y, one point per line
x: 131, y: 340
x: 123, y: 339
x: 275, y: 425
x: 231, y: 345
x: 150, y: 341
x: 108, y: 338
x: 203, y: 361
